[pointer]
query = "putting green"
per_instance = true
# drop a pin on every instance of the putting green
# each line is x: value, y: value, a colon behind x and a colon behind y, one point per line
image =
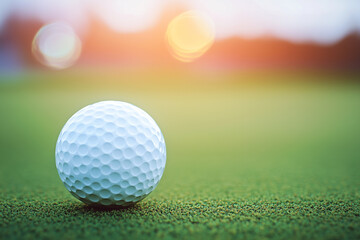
x: 250, y: 155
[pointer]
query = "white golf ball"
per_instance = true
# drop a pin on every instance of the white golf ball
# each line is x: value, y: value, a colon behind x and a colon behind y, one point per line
x: 110, y: 153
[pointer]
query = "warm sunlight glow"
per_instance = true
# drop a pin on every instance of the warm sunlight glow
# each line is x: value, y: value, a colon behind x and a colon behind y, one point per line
x: 128, y: 16
x: 56, y: 45
x: 190, y: 35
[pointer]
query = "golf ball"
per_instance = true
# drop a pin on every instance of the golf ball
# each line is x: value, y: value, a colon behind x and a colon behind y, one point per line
x: 110, y: 153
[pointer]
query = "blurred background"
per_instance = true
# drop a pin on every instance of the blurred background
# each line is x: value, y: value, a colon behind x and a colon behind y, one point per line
x: 147, y: 34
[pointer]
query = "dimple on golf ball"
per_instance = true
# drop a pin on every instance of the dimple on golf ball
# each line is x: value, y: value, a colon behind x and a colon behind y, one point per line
x: 110, y: 153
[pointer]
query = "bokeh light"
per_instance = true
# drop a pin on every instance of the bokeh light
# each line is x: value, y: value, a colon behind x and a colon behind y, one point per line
x: 190, y: 35
x: 56, y: 45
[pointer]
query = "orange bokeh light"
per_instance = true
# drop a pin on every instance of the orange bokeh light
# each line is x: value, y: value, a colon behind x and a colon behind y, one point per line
x: 190, y: 35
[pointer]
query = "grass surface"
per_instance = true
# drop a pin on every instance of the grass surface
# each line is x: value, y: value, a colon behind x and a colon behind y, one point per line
x: 256, y: 156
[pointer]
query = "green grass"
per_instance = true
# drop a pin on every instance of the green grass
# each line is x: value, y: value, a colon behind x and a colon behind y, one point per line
x: 250, y: 156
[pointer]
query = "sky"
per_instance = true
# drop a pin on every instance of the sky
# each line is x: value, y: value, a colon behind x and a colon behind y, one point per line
x: 320, y: 21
